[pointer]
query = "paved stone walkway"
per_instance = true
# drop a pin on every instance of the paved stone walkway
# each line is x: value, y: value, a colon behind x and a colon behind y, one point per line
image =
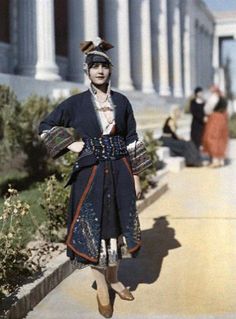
x: 187, y: 268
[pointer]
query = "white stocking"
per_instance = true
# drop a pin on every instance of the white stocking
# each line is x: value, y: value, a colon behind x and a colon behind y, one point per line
x: 102, y: 288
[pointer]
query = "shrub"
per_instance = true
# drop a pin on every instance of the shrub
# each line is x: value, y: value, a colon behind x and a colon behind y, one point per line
x: 65, y: 164
x: 54, y: 201
x: 32, y: 111
x: 147, y: 175
x: 21, y: 147
x: 13, y: 257
x: 9, y: 112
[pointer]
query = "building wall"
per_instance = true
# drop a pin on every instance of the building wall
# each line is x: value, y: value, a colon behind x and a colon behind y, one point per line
x: 41, y: 39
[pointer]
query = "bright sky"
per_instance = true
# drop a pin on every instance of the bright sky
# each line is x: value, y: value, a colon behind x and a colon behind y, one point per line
x: 221, y: 5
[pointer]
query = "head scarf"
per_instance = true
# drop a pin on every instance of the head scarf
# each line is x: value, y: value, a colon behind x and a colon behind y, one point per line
x: 95, y: 52
x: 216, y: 90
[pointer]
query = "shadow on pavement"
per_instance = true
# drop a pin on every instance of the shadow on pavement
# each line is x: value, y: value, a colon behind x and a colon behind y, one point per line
x: 146, y: 268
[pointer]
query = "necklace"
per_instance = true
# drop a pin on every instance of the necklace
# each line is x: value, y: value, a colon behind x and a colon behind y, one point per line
x: 104, y: 109
x: 99, y: 100
x: 109, y: 119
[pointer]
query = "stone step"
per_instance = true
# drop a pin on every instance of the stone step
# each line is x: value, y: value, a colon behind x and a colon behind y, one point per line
x: 163, y: 153
x: 158, y: 118
x: 161, y: 173
x: 175, y: 164
x: 154, y: 123
x: 139, y: 99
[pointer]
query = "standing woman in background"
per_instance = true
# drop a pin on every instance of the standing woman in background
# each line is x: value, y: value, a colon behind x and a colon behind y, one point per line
x: 216, y: 133
x: 197, y: 111
x: 102, y: 221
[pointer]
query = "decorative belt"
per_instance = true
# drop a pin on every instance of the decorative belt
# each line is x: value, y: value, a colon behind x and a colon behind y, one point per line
x: 106, y: 147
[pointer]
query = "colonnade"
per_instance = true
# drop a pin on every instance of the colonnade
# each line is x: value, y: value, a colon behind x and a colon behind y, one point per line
x: 156, y: 46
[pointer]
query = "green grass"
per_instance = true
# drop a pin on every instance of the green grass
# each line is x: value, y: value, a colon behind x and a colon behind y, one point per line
x: 37, y: 215
x: 12, y: 174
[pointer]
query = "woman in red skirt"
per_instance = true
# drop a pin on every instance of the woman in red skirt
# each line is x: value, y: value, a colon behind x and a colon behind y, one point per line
x: 216, y: 135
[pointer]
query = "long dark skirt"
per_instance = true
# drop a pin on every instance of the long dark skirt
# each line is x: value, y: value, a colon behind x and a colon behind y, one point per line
x: 110, y: 226
x: 197, y: 130
x: 102, y: 206
x: 186, y: 149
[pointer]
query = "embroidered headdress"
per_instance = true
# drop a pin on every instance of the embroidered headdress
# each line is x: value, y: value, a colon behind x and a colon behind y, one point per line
x: 95, y: 52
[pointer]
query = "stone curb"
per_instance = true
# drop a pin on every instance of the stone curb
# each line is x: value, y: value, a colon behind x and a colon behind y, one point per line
x: 154, y: 194
x: 58, y: 269
x: 31, y: 294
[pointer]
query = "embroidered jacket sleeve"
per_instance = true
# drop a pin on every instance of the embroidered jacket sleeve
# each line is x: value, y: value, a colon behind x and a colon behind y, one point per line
x: 53, y: 130
x: 140, y: 160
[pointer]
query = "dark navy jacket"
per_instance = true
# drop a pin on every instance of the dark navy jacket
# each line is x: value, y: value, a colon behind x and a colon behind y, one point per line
x: 78, y: 112
x: 85, y: 208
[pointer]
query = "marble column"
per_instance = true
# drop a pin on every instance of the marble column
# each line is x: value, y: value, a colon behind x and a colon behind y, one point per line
x: 211, y: 40
x: 164, y: 88
x: 123, y: 46
x: 110, y: 19
x: 209, y: 57
x: 177, y: 61
x: 90, y: 11
x: 216, y: 59
x: 187, y: 55
x: 203, y: 70
x: 116, y: 22
x: 206, y: 55
x: 83, y: 25
x: 216, y: 52
x: 46, y: 67
x: 190, y: 24
x: 146, y: 55
x: 13, y: 35
x: 198, y: 50
x: 36, y: 55
x: 198, y: 55
x: 201, y: 57
x: 27, y: 42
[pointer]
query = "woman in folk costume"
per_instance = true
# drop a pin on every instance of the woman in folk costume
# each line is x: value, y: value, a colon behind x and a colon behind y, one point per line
x: 216, y: 134
x: 102, y: 221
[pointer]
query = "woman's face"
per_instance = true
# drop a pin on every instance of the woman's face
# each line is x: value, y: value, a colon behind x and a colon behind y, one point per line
x: 99, y: 73
x: 199, y: 94
x: 177, y: 114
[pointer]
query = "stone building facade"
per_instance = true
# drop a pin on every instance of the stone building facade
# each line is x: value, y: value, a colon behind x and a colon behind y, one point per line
x: 160, y: 46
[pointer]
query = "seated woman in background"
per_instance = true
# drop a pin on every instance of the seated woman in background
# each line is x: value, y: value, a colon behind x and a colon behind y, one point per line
x: 178, y: 146
x: 197, y: 111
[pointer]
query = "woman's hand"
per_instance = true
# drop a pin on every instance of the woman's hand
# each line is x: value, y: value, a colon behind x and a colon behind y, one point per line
x: 76, y: 147
x: 205, y: 119
x: 137, y: 186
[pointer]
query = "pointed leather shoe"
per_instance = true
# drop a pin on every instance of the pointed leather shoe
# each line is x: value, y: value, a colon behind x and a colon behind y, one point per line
x: 106, y: 311
x: 126, y: 295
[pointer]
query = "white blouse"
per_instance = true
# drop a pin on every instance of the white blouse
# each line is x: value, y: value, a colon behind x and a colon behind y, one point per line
x: 107, y: 118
